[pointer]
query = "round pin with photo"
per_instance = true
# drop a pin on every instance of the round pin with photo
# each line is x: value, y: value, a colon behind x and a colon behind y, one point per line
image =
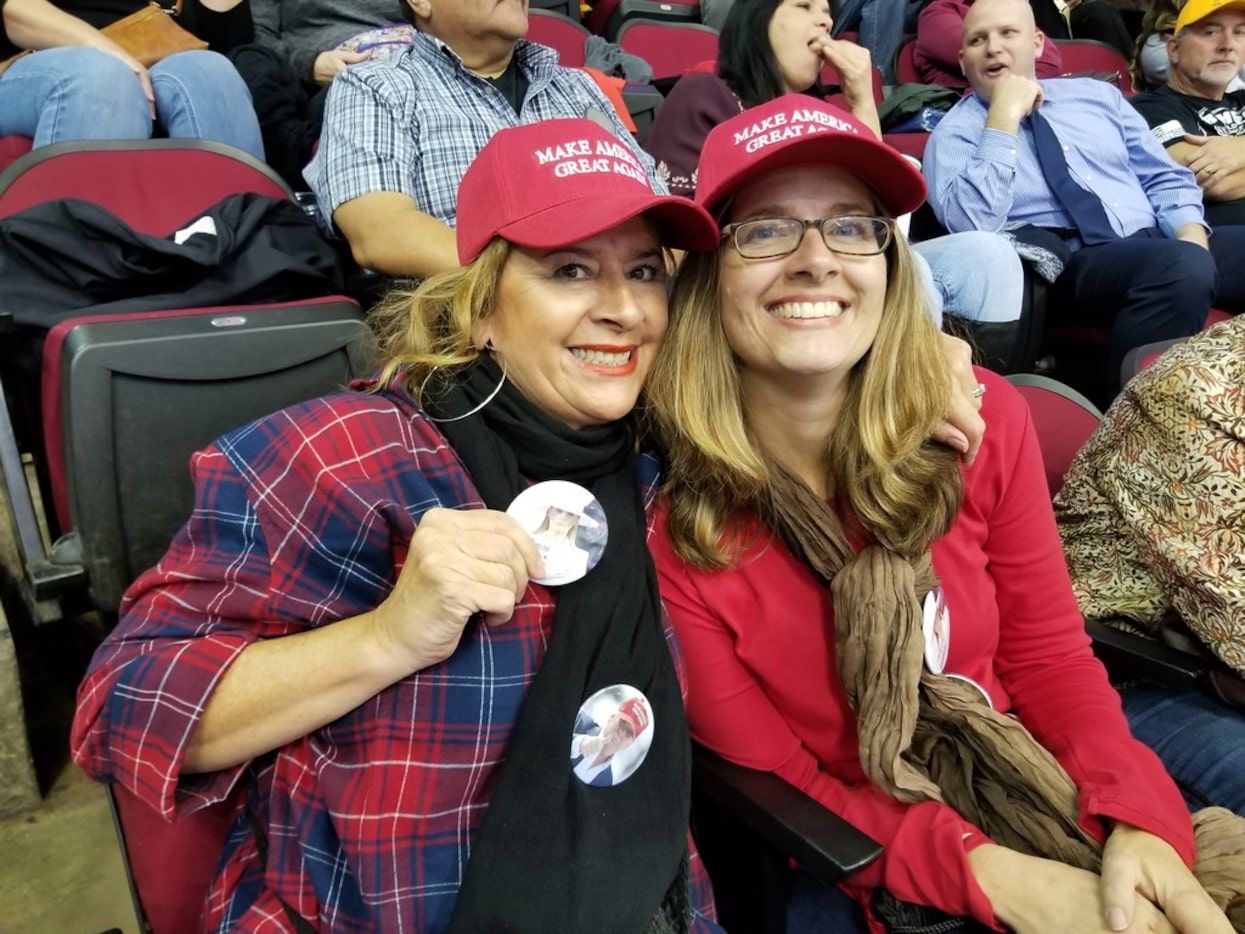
x: 969, y: 681
x: 936, y: 627
x: 568, y: 526
x: 611, y: 736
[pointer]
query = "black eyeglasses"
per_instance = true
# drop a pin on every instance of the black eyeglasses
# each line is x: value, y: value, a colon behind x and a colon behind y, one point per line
x: 848, y: 234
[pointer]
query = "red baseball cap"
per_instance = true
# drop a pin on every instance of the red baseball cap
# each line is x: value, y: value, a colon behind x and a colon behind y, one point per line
x: 635, y: 712
x: 796, y: 129
x: 553, y: 183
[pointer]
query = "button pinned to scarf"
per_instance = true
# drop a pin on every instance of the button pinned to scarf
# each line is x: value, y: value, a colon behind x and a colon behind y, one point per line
x: 612, y: 735
x: 568, y: 525
x: 969, y: 681
x: 936, y: 628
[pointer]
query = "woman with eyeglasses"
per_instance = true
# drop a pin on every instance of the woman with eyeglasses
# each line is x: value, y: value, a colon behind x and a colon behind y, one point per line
x: 774, y: 47
x: 891, y: 632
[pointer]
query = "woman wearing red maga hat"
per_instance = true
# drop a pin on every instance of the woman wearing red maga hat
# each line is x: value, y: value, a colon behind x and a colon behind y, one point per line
x: 350, y: 625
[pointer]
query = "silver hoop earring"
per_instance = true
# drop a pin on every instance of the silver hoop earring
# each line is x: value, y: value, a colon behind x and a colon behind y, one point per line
x: 457, y: 418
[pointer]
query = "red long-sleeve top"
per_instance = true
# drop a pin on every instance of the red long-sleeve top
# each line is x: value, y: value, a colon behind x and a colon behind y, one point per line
x: 763, y: 690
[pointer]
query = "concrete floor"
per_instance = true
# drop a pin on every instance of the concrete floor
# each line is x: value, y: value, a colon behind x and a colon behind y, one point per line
x: 61, y: 870
x: 60, y: 865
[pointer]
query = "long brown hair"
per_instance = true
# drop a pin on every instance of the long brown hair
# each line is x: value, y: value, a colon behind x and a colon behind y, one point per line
x: 899, y: 487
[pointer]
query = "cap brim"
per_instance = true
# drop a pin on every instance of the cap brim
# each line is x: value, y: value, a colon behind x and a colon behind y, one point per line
x: 1192, y: 13
x: 682, y: 224
x: 899, y: 186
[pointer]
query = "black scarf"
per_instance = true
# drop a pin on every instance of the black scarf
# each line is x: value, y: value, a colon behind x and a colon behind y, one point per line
x: 553, y: 854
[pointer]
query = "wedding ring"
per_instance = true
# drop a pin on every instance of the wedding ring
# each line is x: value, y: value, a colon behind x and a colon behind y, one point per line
x: 979, y: 390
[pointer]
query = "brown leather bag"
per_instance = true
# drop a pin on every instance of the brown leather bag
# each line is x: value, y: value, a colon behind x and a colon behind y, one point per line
x: 152, y: 34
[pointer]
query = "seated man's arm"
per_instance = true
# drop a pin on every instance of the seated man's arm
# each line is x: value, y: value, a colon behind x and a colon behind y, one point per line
x: 1170, y: 188
x: 970, y: 163
x: 389, y: 234
x: 1217, y: 162
x: 364, y: 176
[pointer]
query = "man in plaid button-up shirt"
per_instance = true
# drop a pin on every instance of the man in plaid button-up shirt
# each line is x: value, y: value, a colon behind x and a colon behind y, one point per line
x: 399, y: 134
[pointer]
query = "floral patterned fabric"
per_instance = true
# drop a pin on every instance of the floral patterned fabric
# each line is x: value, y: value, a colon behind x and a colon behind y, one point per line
x: 1152, y: 512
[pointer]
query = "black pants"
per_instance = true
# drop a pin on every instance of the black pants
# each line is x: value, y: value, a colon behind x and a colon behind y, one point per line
x: 1149, y: 287
x: 1091, y: 19
x: 290, y: 112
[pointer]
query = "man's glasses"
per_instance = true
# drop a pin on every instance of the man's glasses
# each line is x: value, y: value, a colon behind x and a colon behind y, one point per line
x: 849, y: 234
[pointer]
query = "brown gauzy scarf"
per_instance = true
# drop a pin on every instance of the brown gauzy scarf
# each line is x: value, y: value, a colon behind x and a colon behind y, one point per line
x: 926, y: 737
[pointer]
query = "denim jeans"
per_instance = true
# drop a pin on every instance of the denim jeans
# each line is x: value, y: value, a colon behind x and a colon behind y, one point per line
x: 977, y: 275
x: 1200, y: 741
x: 880, y: 24
x: 76, y: 93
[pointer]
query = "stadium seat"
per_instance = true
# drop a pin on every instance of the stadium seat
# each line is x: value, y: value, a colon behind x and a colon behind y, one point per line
x: 113, y: 477
x: 1063, y: 419
x: 750, y: 826
x: 608, y: 16
x: 672, y: 49
x: 905, y: 64
x: 12, y: 148
x: 565, y: 8
x: 1089, y: 57
x: 565, y: 36
x: 169, y: 866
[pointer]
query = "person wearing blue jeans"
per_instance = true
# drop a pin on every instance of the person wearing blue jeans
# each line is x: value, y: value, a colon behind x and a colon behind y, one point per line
x: 880, y: 24
x: 80, y: 85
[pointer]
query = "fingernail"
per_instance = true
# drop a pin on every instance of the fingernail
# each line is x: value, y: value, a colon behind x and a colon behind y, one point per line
x: 960, y: 443
x: 1116, y: 919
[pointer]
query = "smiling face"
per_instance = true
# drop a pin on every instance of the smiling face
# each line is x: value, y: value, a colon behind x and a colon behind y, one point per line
x: 999, y: 38
x: 792, y: 29
x: 813, y: 314
x: 577, y: 328
x: 1206, y: 55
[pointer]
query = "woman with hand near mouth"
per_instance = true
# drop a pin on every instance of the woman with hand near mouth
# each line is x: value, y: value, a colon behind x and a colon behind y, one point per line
x: 774, y: 47
x: 810, y: 536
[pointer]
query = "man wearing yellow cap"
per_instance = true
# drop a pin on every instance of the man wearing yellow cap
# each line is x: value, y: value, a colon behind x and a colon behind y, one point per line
x: 1201, y: 123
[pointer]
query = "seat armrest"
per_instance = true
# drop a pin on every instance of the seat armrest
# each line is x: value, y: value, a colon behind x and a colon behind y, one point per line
x: 785, y: 817
x: 1128, y: 656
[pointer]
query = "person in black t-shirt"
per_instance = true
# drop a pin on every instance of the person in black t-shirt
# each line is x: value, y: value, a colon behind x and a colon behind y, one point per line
x: 1194, y: 116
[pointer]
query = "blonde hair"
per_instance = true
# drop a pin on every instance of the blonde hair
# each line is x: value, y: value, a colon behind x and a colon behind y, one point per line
x: 429, y: 328
x: 887, y: 476
x: 1159, y: 19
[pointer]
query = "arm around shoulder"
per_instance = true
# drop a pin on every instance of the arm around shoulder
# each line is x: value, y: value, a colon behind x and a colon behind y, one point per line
x: 970, y: 169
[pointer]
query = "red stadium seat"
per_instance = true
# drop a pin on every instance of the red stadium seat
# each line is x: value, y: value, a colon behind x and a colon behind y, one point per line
x: 169, y: 866
x: 1063, y: 419
x: 13, y: 148
x: 609, y: 16
x: 905, y: 64
x: 224, y: 366
x: 672, y: 49
x: 1090, y: 57
x: 562, y: 35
